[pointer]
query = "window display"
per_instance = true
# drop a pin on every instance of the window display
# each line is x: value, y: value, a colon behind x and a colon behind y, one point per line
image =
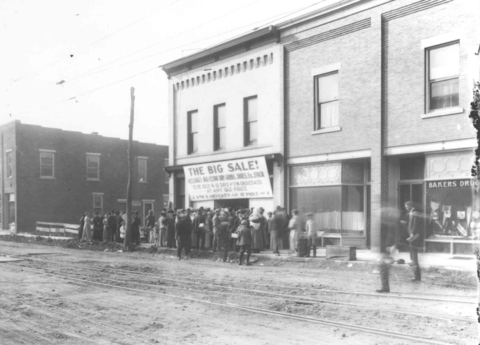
x: 449, y: 209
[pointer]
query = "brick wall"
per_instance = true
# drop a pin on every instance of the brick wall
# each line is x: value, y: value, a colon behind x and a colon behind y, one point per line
x: 63, y: 198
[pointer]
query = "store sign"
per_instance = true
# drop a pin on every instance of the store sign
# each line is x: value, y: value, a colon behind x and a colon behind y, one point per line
x: 243, y: 178
x: 460, y: 183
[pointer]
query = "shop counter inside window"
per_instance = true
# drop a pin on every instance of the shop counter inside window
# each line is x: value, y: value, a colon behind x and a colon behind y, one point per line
x: 452, y: 221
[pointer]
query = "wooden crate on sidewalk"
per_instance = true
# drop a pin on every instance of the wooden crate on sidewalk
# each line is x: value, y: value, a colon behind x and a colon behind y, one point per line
x: 341, y: 252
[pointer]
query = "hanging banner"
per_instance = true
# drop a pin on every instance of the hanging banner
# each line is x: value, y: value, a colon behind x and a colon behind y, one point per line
x: 238, y: 179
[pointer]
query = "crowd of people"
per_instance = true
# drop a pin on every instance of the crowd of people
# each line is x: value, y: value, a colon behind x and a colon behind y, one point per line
x: 242, y: 230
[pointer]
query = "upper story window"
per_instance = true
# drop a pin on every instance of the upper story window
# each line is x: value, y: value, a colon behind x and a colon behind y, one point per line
x: 219, y: 137
x: 47, y: 164
x: 142, y: 169
x: 251, y: 120
x: 326, y: 100
x: 443, y: 75
x: 9, y: 163
x: 192, y: 119
x: 93, y: 166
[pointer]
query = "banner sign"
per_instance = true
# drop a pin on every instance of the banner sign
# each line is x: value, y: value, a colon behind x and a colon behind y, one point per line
x: 238, y: 179
x: 460, y: 183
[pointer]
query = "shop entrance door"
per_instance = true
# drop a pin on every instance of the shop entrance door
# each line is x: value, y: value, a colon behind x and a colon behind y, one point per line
x: 410, y: 192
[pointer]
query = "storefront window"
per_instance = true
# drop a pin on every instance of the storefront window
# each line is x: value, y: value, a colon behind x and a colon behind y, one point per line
x: 449, y: 209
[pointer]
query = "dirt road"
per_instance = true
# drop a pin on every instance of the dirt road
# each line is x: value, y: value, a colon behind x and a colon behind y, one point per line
x: 66, y: 296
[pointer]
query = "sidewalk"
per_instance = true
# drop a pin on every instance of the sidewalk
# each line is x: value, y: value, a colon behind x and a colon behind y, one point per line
x: 443, y: 261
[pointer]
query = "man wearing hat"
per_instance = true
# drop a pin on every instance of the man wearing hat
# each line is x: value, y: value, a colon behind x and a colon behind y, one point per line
x: 136, y: 228
x: 198, y: 225
x: 183, y: 234
x: 244, y: 241
x: 112, y: 226
x: 414, y: 227
x: 311, y: 227
x: 169, y: 223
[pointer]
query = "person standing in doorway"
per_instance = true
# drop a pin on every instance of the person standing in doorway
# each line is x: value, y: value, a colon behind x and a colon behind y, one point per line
x: 150, y: 224
x: 415, y: 229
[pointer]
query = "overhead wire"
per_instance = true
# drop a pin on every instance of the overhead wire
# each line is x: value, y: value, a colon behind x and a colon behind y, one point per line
x: 95, y: 42
x: 151, y: 69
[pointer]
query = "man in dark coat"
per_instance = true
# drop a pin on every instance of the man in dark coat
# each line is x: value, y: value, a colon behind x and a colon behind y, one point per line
x: 415, y: 230
x: 198, y: 229
x: 244, y: 241
x: 223, y: 236
x: 112, y: 226
x: 82, y: 225
x: 169, y: 223
x: 233, y: 223
x: 183, y: 234
x: 136, y: 228
x: 97, y: 227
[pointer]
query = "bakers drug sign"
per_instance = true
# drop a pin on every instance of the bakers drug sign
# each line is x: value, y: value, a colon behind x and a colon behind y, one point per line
x: 237, y: 179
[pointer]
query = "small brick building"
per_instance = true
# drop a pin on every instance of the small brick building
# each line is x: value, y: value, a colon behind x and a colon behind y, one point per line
x: 52, y: 175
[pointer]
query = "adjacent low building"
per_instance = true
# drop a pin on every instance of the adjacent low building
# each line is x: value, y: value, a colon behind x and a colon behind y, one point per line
x: 52, y: 175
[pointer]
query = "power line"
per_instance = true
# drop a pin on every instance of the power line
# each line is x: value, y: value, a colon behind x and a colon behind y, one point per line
x: 283, y: 15
x: 95, y: 42
x: 154, y: 68
x: 169, y: 38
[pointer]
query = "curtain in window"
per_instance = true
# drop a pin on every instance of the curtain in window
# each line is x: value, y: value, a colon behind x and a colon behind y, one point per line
x: 329, y: 114
x: 444, y: 94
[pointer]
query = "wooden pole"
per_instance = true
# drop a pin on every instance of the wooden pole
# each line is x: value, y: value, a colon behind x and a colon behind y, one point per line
x: 128, y: 225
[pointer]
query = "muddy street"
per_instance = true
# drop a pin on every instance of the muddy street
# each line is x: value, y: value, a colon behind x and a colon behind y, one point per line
x: 53, y: 295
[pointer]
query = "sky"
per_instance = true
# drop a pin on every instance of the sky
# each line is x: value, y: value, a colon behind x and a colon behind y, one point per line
x: 71, y: 64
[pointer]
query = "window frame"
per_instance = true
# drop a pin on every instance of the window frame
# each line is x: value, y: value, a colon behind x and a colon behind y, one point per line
x: 9, y: 163
x: 98, y: 170
x: 144, y: 159
x: 47, y: 152
x: 429, y: 82
x: 317, y: 123
x: 246, y: 123
x: 217, y: 145
x: 190, y: 134
x: 97, y: 195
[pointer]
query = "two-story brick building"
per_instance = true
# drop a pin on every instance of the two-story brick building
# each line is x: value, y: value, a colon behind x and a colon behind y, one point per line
x: 373, y: 100
x: 51, y: 175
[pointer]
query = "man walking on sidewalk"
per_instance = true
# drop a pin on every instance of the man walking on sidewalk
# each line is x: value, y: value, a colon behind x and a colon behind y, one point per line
x: 414, y: 227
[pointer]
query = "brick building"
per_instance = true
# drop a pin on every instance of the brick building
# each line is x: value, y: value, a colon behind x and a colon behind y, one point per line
x: 374, y: 101
x: 52, y: 175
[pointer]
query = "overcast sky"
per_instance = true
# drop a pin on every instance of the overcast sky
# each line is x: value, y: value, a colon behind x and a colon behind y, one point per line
x: 63, y: 62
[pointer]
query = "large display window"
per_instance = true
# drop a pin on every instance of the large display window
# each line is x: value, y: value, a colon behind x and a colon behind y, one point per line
x: 338, y: 208
x: 449, y: 210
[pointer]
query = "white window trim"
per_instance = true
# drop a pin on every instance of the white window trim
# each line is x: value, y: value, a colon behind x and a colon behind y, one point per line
x: 327, y: 69
x: 142, y: 157
x: 53, y: 165
x: 426, y: 45
x: 86, y: 161
x: 6, y: 163
x: 317, y: 72
x: 327, y: 130
x: 146, y: 168
x: 438, y: 40
x: 443, y: 112
x: 101, y: 199
x: 93, y: 154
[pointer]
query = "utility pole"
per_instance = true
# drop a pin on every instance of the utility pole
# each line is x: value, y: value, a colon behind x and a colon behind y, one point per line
x: 128, y: 225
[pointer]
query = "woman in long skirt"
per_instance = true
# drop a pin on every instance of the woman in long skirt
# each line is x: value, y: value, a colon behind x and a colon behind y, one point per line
x: 257, y: 222
x: 87, y: 229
